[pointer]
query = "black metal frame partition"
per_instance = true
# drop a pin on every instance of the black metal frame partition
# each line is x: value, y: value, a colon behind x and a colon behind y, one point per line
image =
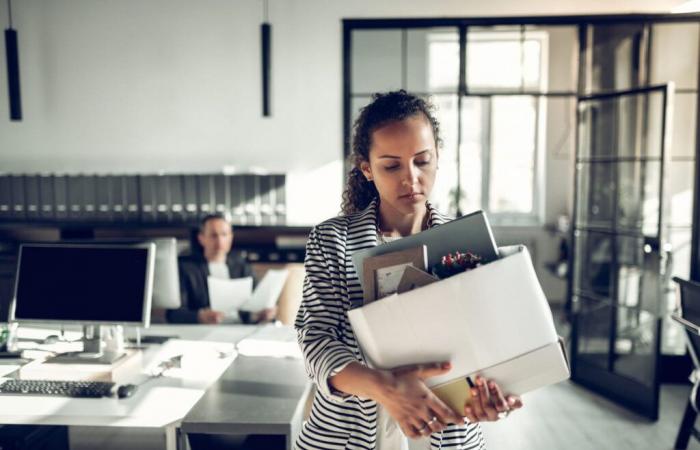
x: 462, y: 24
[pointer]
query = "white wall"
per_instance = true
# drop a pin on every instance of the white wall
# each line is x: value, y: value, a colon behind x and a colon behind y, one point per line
x: 170, y: 85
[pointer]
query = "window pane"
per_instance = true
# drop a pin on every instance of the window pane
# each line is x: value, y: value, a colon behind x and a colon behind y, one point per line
x: 674, y: 54
x: 512, y: 165
x: 474, y: 135
x: 504, y: 59
x: 376, y: 60
x: 432, y: 60
x: 443, y: 193
x: 615, y: 56
x: 559, y: 56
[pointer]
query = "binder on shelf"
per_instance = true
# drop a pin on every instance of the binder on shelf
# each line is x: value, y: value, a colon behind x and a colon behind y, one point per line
x: 118, y: 197
x: 189, y: 192
x: 147, y: 195
x: 89, y: 197
x: 103, y: 198
x: 267, y: 211
x: 237, y: 203
x: 5, y: 197
x: 205, y: 195
x: 18, y: 209
x: 251, y: 199
x: 60, y: 196
x: 131, y: 196
x: 162, y: 198
x: 46, y: 198
x: 177, y: 198
x: 31, y: 191
x: 221, y: 194
x: 75, y: 197
x: 280, y: 199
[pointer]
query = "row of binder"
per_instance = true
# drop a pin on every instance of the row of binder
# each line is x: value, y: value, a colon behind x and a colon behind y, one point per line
x: 250, y: 199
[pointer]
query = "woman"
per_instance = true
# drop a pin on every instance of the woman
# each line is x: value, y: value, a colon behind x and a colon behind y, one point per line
x: 395, y: 155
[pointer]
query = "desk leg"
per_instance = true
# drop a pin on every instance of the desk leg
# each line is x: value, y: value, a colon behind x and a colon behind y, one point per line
x: 172, y: 441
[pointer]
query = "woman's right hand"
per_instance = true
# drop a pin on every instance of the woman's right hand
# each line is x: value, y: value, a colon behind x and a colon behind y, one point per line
x: 411, y: 403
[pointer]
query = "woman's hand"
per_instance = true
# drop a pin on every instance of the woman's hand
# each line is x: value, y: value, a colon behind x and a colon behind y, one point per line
x: 487, y: 403
x: 409, y: 401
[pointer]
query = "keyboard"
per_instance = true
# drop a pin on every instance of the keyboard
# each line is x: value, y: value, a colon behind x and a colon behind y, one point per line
x: 80, y: 389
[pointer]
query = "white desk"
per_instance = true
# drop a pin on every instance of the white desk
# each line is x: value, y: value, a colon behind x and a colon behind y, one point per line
x: 159, y: 403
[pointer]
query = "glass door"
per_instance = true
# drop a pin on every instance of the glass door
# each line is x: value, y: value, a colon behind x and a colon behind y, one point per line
x: 618, y: 262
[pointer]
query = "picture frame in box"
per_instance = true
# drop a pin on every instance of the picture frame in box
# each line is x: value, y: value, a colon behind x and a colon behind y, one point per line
x: 383, y: 273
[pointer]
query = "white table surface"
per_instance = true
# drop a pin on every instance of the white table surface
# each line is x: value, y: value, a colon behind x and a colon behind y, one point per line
x: 162, y: 402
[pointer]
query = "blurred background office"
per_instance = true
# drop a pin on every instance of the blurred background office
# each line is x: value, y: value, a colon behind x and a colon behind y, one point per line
x: 572, y: 124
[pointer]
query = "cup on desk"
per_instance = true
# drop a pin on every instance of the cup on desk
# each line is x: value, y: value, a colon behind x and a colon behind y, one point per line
x: 114, y: 339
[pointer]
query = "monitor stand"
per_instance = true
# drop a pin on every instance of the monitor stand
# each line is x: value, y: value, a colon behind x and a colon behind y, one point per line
x: 96, y: 349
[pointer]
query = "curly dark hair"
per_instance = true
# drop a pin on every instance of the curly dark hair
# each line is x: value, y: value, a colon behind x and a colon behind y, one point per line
x: 384, y: 109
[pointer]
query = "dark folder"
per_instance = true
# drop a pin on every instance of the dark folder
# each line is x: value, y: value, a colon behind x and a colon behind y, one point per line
x: 131, y: 194
x: 237, y: 206
x: 103, y: 198
x: 267, y: 210
x: 46, y: 198
x: 177, y: 198
x: 162, y: 198
x: 189, y: 192
x: 280, y: 201
x: 205, y: 195
x: 5, y: 196
x: 118, y: 197
x: 60, y: 196
x: 221, y: 194
x: 147, y: 196
x: 18, y: 206
x: 32, y: 200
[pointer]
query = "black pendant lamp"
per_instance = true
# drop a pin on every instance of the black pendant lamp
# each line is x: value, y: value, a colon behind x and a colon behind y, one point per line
x: 12, y: 54
x: 265, y: 42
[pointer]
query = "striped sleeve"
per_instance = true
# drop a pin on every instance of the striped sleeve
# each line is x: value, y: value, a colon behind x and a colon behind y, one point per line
x: 320, y: 316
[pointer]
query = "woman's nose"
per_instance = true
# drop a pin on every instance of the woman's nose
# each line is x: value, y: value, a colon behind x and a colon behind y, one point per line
x: 410, y: 176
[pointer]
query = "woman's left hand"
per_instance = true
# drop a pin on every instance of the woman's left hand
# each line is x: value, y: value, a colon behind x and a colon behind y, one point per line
x: 488, y: 404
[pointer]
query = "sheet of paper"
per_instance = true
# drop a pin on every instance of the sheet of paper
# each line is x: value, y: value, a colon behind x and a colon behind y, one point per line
x: 268, y: 291
x: 228, y: 295
x: 271, y: 340
x: 6, y: 369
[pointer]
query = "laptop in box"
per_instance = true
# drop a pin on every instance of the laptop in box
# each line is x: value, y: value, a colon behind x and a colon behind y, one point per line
x: 468, y: 233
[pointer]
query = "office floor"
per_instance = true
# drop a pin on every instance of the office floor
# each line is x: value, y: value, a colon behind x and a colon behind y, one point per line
x: 567, y: 416
x: 561, y: 417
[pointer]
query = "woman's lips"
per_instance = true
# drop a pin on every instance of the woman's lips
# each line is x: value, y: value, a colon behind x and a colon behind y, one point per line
x: 411, y: 196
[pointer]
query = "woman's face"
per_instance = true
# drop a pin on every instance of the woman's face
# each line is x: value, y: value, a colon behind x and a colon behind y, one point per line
x: 403, y: 163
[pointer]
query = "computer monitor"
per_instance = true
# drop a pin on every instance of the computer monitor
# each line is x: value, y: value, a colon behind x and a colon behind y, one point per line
x: 166, y: 278
x: 89, y: 284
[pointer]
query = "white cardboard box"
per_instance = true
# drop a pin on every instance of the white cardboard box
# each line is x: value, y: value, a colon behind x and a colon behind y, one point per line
x: 493, y: 320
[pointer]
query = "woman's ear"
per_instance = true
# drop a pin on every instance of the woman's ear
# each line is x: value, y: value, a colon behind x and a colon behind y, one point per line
x: 366, y: 170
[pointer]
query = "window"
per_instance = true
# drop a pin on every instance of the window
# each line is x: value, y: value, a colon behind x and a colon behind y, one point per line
x: 490, y: 125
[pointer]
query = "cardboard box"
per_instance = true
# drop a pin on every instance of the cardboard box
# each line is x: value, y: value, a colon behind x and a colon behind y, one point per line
x: 493, y: 320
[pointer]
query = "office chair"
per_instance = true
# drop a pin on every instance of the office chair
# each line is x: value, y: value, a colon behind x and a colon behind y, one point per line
x: 690, y: 310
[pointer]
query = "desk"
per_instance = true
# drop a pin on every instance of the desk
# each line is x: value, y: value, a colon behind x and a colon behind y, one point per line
x: 255, y: 395
x: 162, y: 403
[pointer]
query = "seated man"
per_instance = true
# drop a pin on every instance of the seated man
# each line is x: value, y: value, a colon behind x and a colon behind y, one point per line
x: 215, y: 236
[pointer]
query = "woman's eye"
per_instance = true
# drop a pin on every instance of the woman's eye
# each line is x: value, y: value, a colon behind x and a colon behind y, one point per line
x: 422, y: 163
x: 391, y: 168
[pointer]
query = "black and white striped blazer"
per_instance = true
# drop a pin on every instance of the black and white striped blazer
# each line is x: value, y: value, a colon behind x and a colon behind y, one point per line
x: 331, y: 288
